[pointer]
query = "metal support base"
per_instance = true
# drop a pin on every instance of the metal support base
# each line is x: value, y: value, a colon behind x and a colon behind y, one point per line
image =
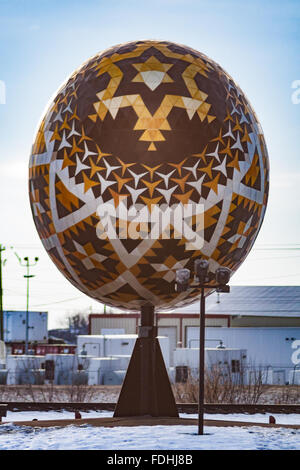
x: 146, y: 389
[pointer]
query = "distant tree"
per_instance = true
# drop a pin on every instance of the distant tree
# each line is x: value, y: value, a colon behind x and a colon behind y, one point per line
x: 74, y: 323
x: 78, y: 323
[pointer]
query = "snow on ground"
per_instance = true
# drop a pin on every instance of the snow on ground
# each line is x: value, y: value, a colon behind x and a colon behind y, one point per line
x: 86, y: 437
x: 14, y: 416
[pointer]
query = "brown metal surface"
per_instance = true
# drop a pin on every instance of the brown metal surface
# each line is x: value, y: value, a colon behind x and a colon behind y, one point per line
x: 146, y: 389
x: 147, y: 421
x: 3, y: 410
x: 188, y: 408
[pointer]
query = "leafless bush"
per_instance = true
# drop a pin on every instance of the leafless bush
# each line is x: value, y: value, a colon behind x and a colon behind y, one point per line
x: 221, y: 386
x: 289, y: 394
x: 49, y: 393
x: 80, y: 393
x: 34, y: 385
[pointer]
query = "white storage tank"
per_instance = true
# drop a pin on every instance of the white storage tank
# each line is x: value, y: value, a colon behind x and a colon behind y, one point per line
x: 106, y: 345
x: 2, y: 355
x: 263, y: 375
x: 165, y: 349
x: 3, y: 376
x: 91, y: 345
x: 186, y: 357
x: 280, y: 377
x: 32, y: 377
x: 79, y: 377
x: 229, y: 362
x: 116, y: 345
x: 12, y: 373
x: 114, y: 377
x: 62, y: 365
x: 21, y: 366
x: 278, y: 347
x: 98, y: 366
x: 232, y: 358
x: 83, y: 362
x: 112, y: 331
x: 14, y: 323
x: 172, y: 374
x: 67, y: 369
x: 294, y: 377
x: 124, y: 361
x: 80, y: 374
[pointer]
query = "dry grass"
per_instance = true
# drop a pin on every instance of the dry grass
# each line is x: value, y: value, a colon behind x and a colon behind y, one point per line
x: 60, y: 393
x: 229, y: 390
x: 183, y: 392
x: 219, y: 388
x: 282, y: 394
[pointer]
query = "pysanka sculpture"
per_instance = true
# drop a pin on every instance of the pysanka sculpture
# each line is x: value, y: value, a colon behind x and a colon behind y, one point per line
x: 153, y: 125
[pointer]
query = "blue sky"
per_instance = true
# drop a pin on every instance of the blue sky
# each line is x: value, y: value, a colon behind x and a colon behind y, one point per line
x: 43, y: 41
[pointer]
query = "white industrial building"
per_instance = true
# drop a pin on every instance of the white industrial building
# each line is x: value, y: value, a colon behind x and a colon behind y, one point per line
x: 100, y: 360
x: 262, y: 320
x: 114, y: 347
x: 14, y: 325
x: 252, y: 329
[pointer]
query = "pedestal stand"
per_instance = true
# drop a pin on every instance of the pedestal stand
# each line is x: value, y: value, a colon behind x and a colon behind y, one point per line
x: 146, y: 389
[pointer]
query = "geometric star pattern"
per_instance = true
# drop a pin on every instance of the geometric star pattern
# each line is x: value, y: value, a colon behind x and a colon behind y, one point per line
x: 153, y: 123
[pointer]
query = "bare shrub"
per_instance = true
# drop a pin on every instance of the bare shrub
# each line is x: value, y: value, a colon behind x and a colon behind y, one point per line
x: 33, y: 384
x: 80, y: 393
x: 221, y: 386
x: 289, y: 394
x: 49, y: 393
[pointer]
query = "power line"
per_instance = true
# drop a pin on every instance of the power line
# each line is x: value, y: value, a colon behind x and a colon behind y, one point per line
x: 277, y: 257
x: 274, y: 277
x: 58, y: 302
x: 276, y: 249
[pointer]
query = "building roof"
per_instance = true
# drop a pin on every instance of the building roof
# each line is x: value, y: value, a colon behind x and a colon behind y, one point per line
x: 279, y: 301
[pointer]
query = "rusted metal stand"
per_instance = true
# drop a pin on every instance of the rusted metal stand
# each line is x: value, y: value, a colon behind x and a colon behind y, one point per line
x: 146, y: 389
x: 3, y: 410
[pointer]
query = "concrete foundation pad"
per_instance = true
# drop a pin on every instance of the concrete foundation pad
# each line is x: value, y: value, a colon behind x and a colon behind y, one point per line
x: 145, y: 421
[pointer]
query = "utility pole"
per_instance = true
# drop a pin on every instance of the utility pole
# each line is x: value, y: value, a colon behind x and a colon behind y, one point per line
x: 2, y: 248
x: 27, y: 276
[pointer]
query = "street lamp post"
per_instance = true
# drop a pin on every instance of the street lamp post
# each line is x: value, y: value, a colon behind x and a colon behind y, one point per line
x: 202, y: 281
x: 27, y: 276
x: 201, y: 362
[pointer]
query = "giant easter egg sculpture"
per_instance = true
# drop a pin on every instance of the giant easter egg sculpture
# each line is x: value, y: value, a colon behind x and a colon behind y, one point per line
x: 149, y: 123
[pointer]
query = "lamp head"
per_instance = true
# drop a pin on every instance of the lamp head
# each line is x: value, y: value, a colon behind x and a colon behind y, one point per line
x: 201, y: 269
x: 182, y: 279
x: 223, y: 276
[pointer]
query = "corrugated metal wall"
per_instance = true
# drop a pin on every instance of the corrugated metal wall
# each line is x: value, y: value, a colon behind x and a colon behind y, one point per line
x: 183, y: 323
x: 129, y: 324
x: 169, y: 322
x: 264, y: 321
x: 208, y: 321
x: 188, y: 322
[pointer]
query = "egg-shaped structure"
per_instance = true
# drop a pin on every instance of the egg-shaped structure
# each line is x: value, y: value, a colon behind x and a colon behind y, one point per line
x: 159, y: 126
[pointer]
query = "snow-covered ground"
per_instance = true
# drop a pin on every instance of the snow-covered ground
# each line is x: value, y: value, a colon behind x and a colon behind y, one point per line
x: 84, y: 437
